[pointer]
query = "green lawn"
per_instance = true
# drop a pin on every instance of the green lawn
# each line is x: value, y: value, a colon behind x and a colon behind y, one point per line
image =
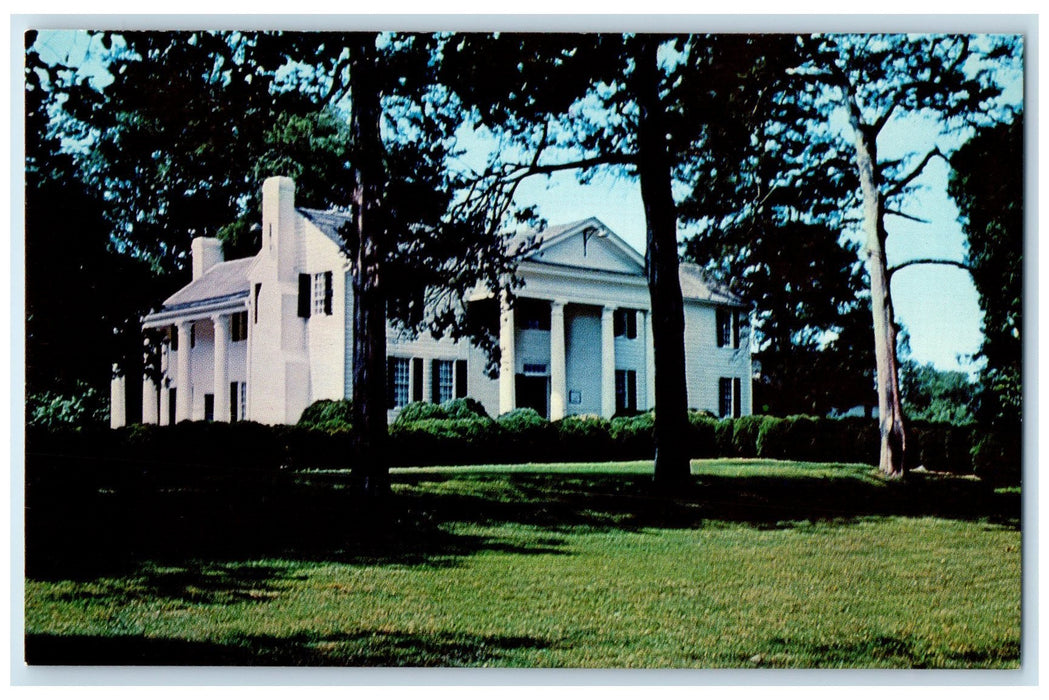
x: 767, y: 564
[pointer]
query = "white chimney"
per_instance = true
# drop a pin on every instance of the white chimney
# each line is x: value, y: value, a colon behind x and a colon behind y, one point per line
x: 279, y: 238
x: 207, y: 252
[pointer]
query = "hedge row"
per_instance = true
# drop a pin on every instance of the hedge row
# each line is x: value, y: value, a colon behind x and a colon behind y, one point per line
x: 213, y: 451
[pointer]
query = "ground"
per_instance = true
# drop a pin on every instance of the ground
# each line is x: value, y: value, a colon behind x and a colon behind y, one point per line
x: 759, y: 564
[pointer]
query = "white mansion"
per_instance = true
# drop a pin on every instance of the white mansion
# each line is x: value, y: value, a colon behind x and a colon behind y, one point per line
x: 261, y: 338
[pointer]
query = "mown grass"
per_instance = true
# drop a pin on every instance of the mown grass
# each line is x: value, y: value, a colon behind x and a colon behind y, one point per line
x: 759, y: 564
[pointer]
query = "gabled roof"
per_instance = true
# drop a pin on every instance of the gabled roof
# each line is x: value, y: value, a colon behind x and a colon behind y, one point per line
x: 329, y: 223
x: 226, y: 280
x: 694, y: 285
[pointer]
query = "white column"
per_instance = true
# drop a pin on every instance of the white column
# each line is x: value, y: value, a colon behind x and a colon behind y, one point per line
x: 558, y: 378
x: 117, y: 401
x: 650, y: 362
x: 182, y: 383
x: 507, y: 398
x: 608, y: 364
x: 149, y: 402
x: 222, y: 398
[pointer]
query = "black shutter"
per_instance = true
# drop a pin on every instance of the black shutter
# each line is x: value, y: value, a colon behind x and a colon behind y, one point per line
x: 631, y: 390
x: 720, y: 320
x: 174, y: 339
x: 735, y: 329
x: 234, y: 402
x: 304, y: 295
x: 172, y: 403
x: 327, y: 293
x: 255, y: 306
x: 736, y: 396
x: 460, y: 379
x: 617, y: 323
x: 631, y: 324
x: 435, y: 381
x: 390, y: 370
x: 417, y: 379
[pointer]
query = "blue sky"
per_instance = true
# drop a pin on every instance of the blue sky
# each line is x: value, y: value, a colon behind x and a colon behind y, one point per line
x: 937, y: 304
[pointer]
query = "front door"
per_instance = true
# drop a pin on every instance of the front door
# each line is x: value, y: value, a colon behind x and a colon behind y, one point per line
x: 532, y: 392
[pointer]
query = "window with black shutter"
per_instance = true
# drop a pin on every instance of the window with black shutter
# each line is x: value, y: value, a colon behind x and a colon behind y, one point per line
x: 460, y: 379
x: 327, y: 292
x: 724, y: 397
x: 304, y: 295
x: 724, y: 327
x: 417, y: 379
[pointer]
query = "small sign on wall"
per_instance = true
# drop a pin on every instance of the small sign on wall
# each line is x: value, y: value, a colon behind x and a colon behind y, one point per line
x: 575, y: 396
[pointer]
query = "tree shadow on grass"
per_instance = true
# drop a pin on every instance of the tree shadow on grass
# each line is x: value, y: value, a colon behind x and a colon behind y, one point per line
x: 366, y: 648
x: 631, y: 502
x: 81, y: 530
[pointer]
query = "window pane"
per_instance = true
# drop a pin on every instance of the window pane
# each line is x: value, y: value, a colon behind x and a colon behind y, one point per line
x: 401, y: 371
x: 445, y: 379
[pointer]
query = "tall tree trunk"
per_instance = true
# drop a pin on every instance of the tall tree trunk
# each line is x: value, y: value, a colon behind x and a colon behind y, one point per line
x: 890, y: 411
x: 370, y: 469
x: 661, y: 263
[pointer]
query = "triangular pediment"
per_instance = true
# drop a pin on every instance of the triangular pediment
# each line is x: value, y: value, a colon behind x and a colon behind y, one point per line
x: 588, y: 244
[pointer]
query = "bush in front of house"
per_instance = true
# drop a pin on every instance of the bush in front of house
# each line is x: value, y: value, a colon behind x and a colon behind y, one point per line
x: 525, y: 436
x: 745, y: 435
x: 633, y: 436
x: 702, y: 435
x: 584, y: 438
x: 330, y: 415
x: 444, y: 441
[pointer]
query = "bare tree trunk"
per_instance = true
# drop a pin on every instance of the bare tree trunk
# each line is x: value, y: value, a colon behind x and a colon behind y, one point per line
x: 890, y: 411
x: 661, y: 263
x: 370, y: 469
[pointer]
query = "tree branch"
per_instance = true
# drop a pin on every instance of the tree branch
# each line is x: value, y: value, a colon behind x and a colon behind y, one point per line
x: 902, y: 215
x: 910, y: 177
x: 928, y: 261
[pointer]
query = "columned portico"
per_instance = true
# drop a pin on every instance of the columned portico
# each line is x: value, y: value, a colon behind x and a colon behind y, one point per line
x: 558, y: 377
x: 149, y: 402
x: 222, y: 397
x: 608, y: 363
x: 182, y: 388
x: 507, y: 400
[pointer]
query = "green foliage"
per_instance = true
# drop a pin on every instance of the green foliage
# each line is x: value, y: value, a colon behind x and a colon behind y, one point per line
x: 330, y: 415
x: 934, y: 395
x: 987, y: 183
x: 583, y: 437
x: 453, y: 409
x: 703, y: 435
x: 88, y: 408
x: 634, y: 435
x: 745, y: 435
x: 464, y: 409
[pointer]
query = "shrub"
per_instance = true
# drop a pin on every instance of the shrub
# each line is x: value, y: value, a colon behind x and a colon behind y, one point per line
x: 996, y: 458
x: 444, y: 441
x: 464, y: 409
x: 584, y: 437
x: 745, y: 435
x: 420, y: 410
x: 328, y: 414
x: 633, y: 436
x: 526, y: 436
x: 724, y: 429
x: 703, y: 441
